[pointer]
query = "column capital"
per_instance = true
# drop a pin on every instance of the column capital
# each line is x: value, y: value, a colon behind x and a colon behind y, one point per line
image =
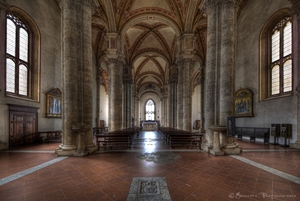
x: 3, y: 5
x: 173, y: 73
x: 208, y: 5
x: 295, y: 7
x: 186, y: 46
x: 114, y: 46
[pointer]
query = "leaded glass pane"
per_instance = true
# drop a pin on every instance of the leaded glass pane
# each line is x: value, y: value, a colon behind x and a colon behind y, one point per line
x: 23, y: 75
x: 10, y: 76
x: 23, y: 45
x: 275, y: 46
x: 150, y: 108
x: 275, y: 79
x: 10, y: 37
x: 287, y: 76
x: 287, y: 39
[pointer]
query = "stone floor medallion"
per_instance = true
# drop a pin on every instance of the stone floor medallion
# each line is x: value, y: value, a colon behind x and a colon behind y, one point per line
x: 149, y: 189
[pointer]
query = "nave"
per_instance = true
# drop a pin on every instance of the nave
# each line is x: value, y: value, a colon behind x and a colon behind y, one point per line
x: 261, y: 172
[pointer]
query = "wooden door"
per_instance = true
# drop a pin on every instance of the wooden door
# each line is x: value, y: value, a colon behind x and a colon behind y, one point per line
x: 23, y: 125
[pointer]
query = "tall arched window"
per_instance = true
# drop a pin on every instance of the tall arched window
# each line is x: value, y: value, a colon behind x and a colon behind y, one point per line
x: 22, y: 55
x: 150, y: 110
x: 276, y: 69
x: 17, y: 56
x: 281, y: 57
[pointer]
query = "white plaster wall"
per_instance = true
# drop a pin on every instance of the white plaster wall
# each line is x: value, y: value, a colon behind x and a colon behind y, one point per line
x: 142, y: 102
x: 251, y: 20
x: 103, y: 105
x: 196, y: 102
x: 46, y: 15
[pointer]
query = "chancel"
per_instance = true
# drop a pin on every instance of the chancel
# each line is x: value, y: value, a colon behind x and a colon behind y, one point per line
x: 149, y: 99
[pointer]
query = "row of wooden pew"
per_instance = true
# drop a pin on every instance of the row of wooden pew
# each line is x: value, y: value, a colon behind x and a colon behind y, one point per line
x: 181, y: 138
x: 120, y: 138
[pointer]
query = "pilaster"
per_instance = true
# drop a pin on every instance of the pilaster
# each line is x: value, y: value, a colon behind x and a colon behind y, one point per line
x: 296, y: 61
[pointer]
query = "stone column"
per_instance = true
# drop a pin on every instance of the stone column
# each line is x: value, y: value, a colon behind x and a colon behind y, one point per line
x: 228, y: 16
x: 164, y: 108
x: 127, y: 83
x: 98, y: 102
x: 172, y: 97
x: 296, y: 61
x: 210, y: 7
x: 187, y: 94
x: 115, y: 61
x: 115, y: 94
x: 185, y: 59
x: 77, y: 78
x: 179, y: 98
x: 133, y: 104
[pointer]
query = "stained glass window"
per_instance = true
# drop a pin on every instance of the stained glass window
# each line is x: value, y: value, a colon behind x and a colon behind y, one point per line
x: 281, y: 57
x: 150, y: 110
x: 17, y: 54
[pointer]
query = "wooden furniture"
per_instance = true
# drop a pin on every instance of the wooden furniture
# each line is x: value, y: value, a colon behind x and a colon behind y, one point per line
x: 23, y: 125
x: 180, y: 138
x: 100, y: 130
x: 51, y: 136
x: 253, y: 133
x: 116, y: 139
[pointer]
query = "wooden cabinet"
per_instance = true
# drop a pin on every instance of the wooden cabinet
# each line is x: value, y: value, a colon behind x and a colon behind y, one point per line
x: 23, y: 125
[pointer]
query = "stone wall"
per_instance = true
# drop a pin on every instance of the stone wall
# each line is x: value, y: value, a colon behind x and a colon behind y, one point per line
x: 250, y: 23
x: 46, y: 15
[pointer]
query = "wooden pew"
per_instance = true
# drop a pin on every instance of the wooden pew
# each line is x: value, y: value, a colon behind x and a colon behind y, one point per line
x: 51, y: 136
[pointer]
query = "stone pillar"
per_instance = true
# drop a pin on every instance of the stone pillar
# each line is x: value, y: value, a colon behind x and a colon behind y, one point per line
x: 98, y: 102
x: 127, y: 83
x: 228, y: 38
x: 187, y: 94
x: 185, y: 59
x: 296, y: 61
x: 115, y: 94
x: 115, y: 61
x: 76, y: 78
x: 210, y: 7
x: 179, y: 98
x: 164, y: 108
x: 133, y: 104
x: 172, y: 97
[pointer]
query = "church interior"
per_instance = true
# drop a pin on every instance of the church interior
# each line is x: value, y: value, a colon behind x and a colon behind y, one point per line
x: 170, y: 100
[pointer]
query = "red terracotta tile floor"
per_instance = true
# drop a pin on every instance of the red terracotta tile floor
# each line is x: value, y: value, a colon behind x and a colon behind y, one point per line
x: 105, y: 175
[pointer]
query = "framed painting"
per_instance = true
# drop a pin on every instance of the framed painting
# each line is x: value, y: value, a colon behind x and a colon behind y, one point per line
x: 243, y: 103
x: 54, y: 103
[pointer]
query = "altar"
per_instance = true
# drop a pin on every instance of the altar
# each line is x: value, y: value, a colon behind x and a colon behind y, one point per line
x: 149, y: 125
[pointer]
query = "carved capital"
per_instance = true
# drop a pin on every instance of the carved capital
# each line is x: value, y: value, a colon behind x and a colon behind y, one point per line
x: 296, y: 7
x: 208, y: 5
x: 3, y: 5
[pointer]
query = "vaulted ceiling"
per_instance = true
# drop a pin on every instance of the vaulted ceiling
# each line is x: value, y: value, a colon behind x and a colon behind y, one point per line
x: 150, y: 30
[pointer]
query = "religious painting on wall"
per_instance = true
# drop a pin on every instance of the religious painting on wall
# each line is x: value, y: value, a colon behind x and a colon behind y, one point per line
x: 243, y: 103
x: 53, y: 103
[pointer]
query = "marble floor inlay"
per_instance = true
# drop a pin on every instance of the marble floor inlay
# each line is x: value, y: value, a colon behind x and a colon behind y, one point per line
x: 149, y: 189
x: 160, y: 157
x: 30, y: 170
x: 269, y: 169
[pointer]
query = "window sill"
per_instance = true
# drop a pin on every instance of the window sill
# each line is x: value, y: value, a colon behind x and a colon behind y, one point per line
x: 25, y: 98
x: 274, y: 97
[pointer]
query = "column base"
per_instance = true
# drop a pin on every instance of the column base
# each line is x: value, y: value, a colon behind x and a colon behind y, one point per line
x: 234, y: 151
x: 206, y: 147
x: 81, y: 153
x: 91, y: 148
x: 295, y: 145
x: 65, y: 150
x: 216, y: 152
x: 3, y: 145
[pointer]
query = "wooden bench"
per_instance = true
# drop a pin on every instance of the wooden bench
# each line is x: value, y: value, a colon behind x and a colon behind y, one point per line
x: 253, y: 133
x: 180, y: 138
x: 51, y: 136
x: 116, y: 139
